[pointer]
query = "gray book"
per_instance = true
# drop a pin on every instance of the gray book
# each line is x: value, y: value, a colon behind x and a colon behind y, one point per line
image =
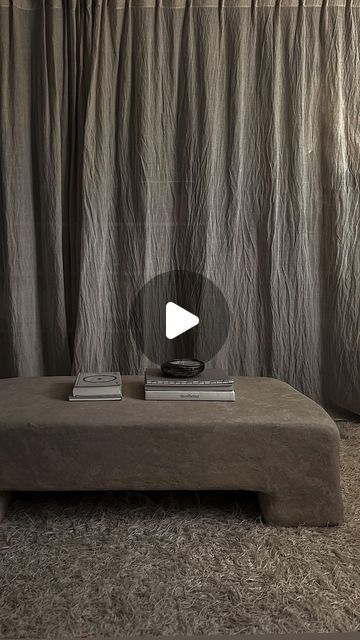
x: 106, y: 383
x: 210, y: 379
x: 177, y: 394
x: 91, y: 398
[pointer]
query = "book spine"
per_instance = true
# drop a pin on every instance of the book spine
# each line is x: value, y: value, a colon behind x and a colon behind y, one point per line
x: 90, y: 398
x: 224, y: 396
x: 189, y: 383
x: 81, y: 392
x: 202, y: 389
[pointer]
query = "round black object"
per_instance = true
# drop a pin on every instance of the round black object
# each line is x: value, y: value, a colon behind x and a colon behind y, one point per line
x: 182, y: 368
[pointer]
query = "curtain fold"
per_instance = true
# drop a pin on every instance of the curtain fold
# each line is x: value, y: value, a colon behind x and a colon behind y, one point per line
x: 216, y: 136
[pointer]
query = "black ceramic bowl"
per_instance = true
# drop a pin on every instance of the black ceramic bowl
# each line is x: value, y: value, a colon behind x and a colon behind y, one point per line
x: 182, y: 368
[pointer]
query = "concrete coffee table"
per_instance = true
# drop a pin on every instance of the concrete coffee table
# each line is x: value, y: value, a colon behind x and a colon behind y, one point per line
x: 272, y: 440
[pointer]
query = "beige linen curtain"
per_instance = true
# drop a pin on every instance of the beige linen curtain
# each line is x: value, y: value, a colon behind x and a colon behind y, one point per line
x: 139, y: 136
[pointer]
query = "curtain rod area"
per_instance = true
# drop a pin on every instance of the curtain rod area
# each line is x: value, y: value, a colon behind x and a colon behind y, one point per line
x: 33, y: 5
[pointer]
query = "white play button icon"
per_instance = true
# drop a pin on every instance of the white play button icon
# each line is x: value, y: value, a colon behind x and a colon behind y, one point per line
x: 178, y: 320
x: 179, y: 314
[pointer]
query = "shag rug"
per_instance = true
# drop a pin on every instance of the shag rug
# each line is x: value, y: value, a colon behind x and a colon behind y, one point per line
x: 105, y: 564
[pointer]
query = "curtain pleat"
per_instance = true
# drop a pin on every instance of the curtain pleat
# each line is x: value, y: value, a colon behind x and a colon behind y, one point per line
x: 216, y: 136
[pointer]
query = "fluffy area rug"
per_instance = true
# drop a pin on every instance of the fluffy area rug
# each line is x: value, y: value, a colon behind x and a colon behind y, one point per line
x: 105, y: 564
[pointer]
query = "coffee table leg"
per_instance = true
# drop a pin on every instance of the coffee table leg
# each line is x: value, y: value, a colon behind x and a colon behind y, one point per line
x: 302, y: 506
x: 5, y: 497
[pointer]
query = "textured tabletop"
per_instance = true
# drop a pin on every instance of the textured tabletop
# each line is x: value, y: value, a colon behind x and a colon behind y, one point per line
x: 43, y: 400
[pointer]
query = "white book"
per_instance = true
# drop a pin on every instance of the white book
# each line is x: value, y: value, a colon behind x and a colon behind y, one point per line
x: 91, y: 398
x: 106, y: 383
x: 176, y: 394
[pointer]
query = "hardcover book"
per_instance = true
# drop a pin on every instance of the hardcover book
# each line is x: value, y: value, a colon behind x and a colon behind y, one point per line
x: 177, y: 394
x: 105, y: 385
x: 209, y: 379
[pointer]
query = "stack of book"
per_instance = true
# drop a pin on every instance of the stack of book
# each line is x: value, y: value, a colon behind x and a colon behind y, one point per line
x: 97, y: 386
x: 211, y: 384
